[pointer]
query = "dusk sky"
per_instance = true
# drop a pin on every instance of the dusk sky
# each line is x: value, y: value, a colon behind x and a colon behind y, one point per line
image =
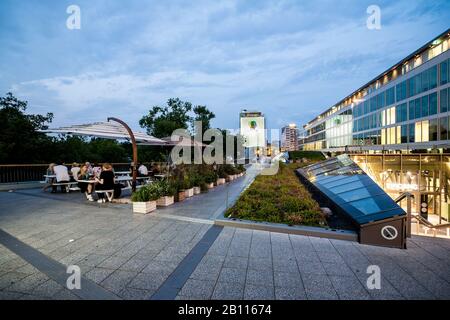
x: 288, y: 59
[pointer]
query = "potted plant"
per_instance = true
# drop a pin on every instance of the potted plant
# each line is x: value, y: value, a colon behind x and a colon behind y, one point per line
x: 180, y: 194
x: 196, y: 181
x: 188, y: 187
x: 167, y: 193
x: 210, y: 178
x: 222, y: 176
x: 144, y: 199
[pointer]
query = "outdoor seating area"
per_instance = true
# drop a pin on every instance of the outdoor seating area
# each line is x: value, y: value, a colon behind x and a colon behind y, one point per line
x: 159, y: 185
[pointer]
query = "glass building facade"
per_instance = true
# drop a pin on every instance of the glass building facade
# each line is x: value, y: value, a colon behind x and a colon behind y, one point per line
x: 405, y: 108
x: 396, y: 128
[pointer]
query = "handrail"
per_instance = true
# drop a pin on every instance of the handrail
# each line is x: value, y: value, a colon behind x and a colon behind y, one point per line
x: 408, y: 197
x: 428, y: 224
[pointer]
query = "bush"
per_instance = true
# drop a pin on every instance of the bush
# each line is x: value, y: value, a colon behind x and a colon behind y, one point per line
x: 165, y: 188
x: 146, y: 193
x: 280, y: 198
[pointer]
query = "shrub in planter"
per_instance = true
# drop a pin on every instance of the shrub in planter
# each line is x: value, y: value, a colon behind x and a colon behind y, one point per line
x: 144, y: 200
x: 204, y: 187
x: 210, y: 178
x: 167, y: 192
x: 196, y: 181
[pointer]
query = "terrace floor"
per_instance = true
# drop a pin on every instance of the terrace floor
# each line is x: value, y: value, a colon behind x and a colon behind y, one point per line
x: 178, y: 253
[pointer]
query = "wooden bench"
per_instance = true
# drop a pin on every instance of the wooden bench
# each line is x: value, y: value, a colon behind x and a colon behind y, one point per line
x: 68, y: 185
x: 109, y: 194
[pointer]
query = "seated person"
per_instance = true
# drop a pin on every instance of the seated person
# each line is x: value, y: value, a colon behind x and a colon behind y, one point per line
x: 49, y: 180
x: 85, y: 187
x: 105, y: 181
x: 74, y: 171
x: 142, y: 171
x: 96, y: 170
x: 62, y: 176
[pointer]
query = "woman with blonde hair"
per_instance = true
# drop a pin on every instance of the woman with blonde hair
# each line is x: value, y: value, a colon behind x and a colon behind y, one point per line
x: 105, y: 181
x: 85, y: 187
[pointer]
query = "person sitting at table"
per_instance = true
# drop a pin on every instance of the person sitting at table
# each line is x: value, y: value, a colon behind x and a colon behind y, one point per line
x: 74, y: 171
x: 85, y: 187
x: 105, y: 181
x: 49, y: 180
x: 62, y: 176
x: 90, y: 170
x: 97, y: 169
x: 142, y: 170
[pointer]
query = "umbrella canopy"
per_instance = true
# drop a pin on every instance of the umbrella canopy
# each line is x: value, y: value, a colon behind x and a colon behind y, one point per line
x: 106, y: 130
x: 179, y: 141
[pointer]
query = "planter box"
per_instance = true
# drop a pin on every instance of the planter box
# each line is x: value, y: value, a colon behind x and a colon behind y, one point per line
x: 180, y: 196
x: 231, y: 177
x: 144, y: 207
x: 220, y: 181
x: 165, y: 201
x: 189, y: 192
x: 210, y: 185
x: 197, y: 190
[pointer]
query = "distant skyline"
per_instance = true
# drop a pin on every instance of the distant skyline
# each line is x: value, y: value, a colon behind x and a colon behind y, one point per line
x: 290, y: 60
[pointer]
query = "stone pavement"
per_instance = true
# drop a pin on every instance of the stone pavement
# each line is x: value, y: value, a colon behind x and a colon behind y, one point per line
x: 134, y: 256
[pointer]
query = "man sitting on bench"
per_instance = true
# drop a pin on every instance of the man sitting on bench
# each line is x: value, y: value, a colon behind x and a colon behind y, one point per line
x: 62, y: 177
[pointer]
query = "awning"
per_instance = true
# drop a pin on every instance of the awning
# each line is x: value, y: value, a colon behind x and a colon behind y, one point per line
x: 106, y: 130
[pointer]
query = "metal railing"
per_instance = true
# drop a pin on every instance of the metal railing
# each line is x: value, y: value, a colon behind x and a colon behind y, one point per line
x: 16, y: 173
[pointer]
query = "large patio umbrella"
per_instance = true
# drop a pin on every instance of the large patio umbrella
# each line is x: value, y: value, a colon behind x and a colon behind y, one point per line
x: 114, y: 129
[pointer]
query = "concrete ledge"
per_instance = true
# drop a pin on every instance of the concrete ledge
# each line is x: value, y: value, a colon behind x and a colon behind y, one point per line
x: 283, y: 228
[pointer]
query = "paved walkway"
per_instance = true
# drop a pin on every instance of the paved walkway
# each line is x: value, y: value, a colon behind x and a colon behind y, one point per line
x: 175, y: 253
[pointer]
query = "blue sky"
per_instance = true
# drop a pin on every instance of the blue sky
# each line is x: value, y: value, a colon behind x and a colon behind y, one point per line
x: 289, y: 59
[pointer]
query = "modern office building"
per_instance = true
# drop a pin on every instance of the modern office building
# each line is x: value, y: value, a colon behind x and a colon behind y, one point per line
x: 252, y: 126
x: 289, y: 138
x: 397, y: 128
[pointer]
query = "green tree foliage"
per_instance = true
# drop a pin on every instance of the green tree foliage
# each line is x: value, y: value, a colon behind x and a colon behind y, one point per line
x: 18, y: 137
x: 162, y: 121
x: 202, y: 114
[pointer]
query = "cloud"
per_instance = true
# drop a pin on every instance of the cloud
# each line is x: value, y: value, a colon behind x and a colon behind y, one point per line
x: 289, y: 59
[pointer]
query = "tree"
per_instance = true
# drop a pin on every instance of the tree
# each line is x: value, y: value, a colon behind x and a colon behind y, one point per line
x: 162, y: 121
x: 19, y: 141
x: 203, y: 115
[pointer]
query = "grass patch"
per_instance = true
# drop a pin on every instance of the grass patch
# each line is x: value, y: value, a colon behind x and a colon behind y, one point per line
x: 279, y: 198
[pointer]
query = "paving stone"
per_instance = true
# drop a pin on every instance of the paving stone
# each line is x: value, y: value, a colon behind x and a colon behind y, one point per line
x: 117, y: 280
x: 135, y: 294
x: 259, y: 277
x: 199, y: 289
x: 290, y: 293
x: 9, y: 278
x: 288, y: 279
x: 113, y: 262
x: 98, y: 274
x: 7, y: 295
x: 147, y: 281
x: 232, y: 275
x: 47, y: 289
x: 236, y: 262
x: 319, y: 287
x: 349, y: 288
x: 260, y: 263
x: 337, y: 269
x: 308, y: 267
x: 228, y: 291
x: 253, y: 292
x: 65, y: 294
x: 27, y: 284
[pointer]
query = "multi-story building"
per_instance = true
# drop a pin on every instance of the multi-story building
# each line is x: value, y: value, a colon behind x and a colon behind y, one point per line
x: 397, y: 128
x: 252, y: 126
x: 289, y: 138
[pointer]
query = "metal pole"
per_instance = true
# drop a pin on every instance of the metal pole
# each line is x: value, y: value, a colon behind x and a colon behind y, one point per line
x: 408, y: 212
x: 134, y: 145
